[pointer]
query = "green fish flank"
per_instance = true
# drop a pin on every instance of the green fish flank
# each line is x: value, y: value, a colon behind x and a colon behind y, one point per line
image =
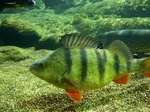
x: 75, y: 68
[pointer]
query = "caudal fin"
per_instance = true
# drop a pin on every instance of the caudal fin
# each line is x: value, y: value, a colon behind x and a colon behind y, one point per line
x: 146, y: 67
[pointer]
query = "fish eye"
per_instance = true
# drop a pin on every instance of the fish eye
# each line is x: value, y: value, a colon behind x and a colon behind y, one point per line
x: 41, y: 65
x: 31, y: 2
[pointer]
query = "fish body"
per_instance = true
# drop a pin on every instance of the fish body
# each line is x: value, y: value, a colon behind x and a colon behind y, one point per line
x: 15, y: 3
x: 78, y: 65
x: 136, y: 39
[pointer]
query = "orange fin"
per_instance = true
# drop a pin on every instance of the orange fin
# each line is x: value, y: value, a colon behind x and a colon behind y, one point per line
x: 146, y: 74
x: 146, y: 67
x: 74, y: 95
x: 122, y: 80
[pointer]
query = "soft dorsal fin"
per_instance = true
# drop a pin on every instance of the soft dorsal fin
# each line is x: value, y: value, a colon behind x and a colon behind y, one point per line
x: 78, y: 40
x: 121, y: 49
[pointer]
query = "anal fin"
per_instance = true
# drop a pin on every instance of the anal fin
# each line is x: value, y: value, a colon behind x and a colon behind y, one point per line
x: 122, y: 80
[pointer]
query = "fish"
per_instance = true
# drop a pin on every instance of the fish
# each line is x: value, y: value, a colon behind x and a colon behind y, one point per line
x: 15, y: 4
x: 136, y: 39
x: 79, y: 65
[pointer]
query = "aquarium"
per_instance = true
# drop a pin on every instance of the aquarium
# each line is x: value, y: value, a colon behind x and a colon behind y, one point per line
x: 74, y: 55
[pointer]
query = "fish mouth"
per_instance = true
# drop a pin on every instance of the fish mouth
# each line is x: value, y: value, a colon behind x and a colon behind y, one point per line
x: 32, y: 69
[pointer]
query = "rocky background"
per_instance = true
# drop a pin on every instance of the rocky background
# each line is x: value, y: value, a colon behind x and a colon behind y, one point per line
x: 42, y: 28
x: 26, y: 34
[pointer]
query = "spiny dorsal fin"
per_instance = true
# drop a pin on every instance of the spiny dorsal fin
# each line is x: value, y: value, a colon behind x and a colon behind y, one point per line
x: 78, y: 40
x: 121, y: 49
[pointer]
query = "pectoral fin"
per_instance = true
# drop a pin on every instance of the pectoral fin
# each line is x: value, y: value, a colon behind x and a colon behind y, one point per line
x: 122, y: 80
x: 75, y: 95
x: 70, y: 83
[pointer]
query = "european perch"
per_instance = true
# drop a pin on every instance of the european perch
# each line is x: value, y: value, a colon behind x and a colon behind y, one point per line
x: 79, y: 65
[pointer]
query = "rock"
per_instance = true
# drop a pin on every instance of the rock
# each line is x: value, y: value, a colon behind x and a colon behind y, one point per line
x: 122, y: 8
x: 54, y: 3
x: 48, y: 43
x: 12, y: 53
x: 61, y: 5
x: 54, y: 27
x: 16, y: 32
x: 95, y: 27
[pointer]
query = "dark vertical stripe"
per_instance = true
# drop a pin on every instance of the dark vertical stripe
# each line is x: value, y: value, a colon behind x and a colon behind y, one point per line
x: 68, y: 58
x: 101, y: 67
x: 104, y: 56
x: 104, y: 60
x: 83, y: 64
x: 128, y: 64
x: 116, y: 64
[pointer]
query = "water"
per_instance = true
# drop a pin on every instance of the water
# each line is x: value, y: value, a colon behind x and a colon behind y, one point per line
x: 28, y: 33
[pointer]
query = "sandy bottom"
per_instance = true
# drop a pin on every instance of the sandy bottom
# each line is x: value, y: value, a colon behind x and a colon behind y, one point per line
x: 22, y: 91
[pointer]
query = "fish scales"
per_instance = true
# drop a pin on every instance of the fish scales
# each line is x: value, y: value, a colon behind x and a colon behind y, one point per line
x: 84, y: 64
x: 67, y: 57
x: 128, y: 64
x: 77, y: 66
x: 82, y: 60
x: 101, y: 63
x: 116, y: 64
x: 88, y: 70
x: 92, y: 73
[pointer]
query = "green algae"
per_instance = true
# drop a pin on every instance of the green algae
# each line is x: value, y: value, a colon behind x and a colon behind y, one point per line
x: 123, y: 8
x: 52, y: 29
x: 12, y: 53
x: 14, y: 31
x: 45, y: 26
x: 100, y: 25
